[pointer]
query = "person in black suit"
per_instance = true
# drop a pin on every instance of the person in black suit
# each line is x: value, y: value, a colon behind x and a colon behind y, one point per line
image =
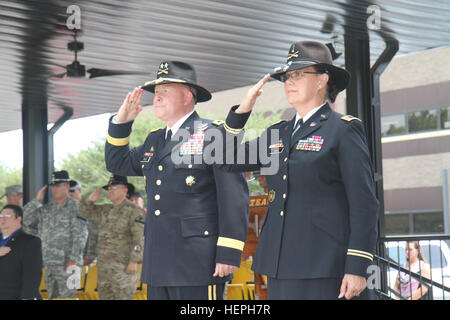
x: 197, y: 214
x: 20, y: 258
x: 319, y: 235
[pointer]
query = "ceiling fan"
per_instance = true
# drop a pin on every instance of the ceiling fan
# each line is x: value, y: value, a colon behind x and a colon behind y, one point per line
x: 77, y: 70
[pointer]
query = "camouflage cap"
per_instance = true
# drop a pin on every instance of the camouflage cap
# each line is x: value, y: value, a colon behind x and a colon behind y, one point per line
x: 14, y: 190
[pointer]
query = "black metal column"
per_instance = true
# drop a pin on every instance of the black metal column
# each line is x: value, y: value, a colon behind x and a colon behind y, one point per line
x: 35, y: 145
x: 43, y: 19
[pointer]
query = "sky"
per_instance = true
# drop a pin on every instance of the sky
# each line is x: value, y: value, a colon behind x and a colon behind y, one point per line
x: 73, y: 136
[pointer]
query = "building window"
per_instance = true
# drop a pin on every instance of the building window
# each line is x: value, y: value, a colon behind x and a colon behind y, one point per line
x: 423, y: 121
x: 428, y: 222
x: 397, y: 223
x: 445, y: 118
x: 393, y: 125
x: 414, y: 222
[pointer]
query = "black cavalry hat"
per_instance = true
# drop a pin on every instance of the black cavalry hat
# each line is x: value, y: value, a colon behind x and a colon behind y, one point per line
x: 304, y: 54
x: 60, y: 176
x: 116, y: 179
x: 177, y: 72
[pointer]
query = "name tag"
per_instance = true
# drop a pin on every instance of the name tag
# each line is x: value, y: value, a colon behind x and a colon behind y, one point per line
x: 310, y: 144
x: 276, y: 147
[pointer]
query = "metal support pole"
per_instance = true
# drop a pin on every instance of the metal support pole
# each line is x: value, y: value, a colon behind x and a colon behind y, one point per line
x: 35, y: 146
x: 445, y: 208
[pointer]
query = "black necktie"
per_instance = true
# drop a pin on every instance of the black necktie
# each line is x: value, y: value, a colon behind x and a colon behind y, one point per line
x: 168, y: 137
x: 297, y: 125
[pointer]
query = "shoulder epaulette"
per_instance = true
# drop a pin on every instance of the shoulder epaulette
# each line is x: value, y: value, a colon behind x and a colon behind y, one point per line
x: 349, y: 118
x: 278, y: 122
x: 154, y: 130
x: 218, y: 122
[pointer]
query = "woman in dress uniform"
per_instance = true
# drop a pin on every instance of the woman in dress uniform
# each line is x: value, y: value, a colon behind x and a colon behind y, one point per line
x: 319, y: 235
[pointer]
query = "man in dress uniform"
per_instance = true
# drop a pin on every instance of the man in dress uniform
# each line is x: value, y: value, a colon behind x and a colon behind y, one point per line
x: 120, y: 239
x: 197, y: 214
x: 319, y: 235
x: 63, y: 233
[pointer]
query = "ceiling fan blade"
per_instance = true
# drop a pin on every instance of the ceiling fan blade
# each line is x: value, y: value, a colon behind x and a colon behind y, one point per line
x: 58, y: 75
x: 95, y: 73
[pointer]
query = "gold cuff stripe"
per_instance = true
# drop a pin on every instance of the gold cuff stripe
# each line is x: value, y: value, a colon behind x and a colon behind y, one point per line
x: 118, y: 142
x: 231, y: 130
x: 231, y: 243
x: 361, y: 254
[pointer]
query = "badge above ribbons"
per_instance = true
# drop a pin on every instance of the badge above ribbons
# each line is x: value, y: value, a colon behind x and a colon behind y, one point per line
x: 313, y: 143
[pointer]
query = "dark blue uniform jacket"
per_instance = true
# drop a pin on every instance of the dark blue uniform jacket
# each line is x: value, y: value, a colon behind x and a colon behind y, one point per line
x: 322, y: 215
x: 197, y: 214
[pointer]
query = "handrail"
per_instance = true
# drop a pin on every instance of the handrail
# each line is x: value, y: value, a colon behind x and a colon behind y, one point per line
x: 415, y: 237
x: 415, y: 275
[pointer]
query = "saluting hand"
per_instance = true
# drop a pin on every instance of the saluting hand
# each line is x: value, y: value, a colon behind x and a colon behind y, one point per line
x: 130, y: 107
x: 41, y: 194
x: 95, y: 195
x: 252, y: 94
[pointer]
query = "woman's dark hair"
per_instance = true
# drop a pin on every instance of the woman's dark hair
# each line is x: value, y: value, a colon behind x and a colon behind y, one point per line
x: 17, y: 210
x: 332, y: 90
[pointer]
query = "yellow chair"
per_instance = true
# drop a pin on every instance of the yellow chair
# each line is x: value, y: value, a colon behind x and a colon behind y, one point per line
x: 141, y: 289
x: 42, y: 286
x: 82, y: 290
x: 90, y: 287
x: 235, y: 291
x: 250, y: 286
x: 243, y: 276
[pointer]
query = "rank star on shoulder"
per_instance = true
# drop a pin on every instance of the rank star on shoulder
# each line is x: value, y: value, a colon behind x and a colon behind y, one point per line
x: 190, y: 309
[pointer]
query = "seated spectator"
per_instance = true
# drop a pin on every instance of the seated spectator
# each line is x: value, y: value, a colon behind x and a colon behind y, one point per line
x: 20, y: 258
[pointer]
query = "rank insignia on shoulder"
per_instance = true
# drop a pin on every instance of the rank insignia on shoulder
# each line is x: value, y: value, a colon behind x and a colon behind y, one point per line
x: 278, y: 122
x: 349, y: 118
x: 154, y: 130
x: 218, y: 122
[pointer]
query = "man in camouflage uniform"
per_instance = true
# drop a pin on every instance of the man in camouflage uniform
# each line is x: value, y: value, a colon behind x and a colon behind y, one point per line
x: 90, y: 251
x: 120, y: 239
x: 63, y: 233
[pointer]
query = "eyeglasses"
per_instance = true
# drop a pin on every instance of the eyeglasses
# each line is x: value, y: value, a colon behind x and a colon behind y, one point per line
x: 5, y: 215
x: 295, y: 75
